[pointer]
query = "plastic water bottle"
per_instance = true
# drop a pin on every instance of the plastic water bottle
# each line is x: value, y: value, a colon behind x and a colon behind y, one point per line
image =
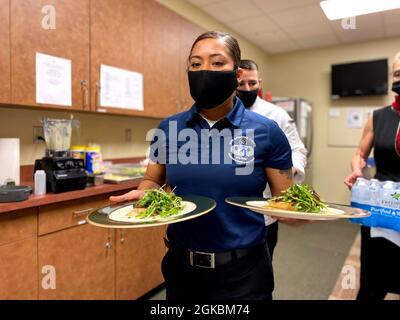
x: 358, y: 192
x: 388, y: 195
x: 369, y: 170
x: 373, y: 196
x: 40, y: 182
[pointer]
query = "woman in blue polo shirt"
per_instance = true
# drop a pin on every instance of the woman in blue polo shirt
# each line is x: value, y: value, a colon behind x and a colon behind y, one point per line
x: 221, y: 255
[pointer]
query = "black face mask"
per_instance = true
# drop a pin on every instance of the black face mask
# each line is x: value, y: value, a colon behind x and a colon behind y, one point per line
x: 211, y: 88
x: 396, y: 87
x: 248, y: 97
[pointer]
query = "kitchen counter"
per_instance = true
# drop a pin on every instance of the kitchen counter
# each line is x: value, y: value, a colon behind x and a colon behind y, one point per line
x: 51, y: 198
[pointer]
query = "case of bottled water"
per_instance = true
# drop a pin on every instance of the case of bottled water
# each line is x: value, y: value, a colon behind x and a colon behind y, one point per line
x: 382, y: 199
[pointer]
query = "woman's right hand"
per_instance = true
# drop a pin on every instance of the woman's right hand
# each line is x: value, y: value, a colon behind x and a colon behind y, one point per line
x: 351, y: 179
x: 131, y: 195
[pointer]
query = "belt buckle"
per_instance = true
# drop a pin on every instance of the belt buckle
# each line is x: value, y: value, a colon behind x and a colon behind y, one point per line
x: 202, y: 259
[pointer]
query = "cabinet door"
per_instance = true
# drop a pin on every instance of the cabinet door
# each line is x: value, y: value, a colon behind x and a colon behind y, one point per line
x: 82, y: 262
x: 116, y: 29
x: 138, y: 266
x: 69, y: 40
x: 189, y: 33
x: 161, y: 36
x: 18, y: 270
x: 5, y: 51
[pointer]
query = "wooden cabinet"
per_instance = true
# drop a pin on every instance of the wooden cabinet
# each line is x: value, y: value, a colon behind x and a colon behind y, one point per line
x: 138, y: 261
x: 18, y: 270
x: 18, y: 225
x: 5, y: 89
x: 46, y: 253
x: 82, y: 259
x: 137, y: 35
x: 69, y: 39
x: 55, y: 217
x: 116, y: 31
x: 18, y: 252
x: 161, y: 59
x: 189, y: 33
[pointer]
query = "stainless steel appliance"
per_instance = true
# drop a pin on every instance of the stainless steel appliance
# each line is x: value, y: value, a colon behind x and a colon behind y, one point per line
x: 300, y: 110
x: 63, y: 172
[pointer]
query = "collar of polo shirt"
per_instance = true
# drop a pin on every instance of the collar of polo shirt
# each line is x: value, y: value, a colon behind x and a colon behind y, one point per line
x: 234, y: 117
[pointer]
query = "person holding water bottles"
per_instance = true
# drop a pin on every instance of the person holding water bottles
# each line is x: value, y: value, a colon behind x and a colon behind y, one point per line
x: 380, y: 253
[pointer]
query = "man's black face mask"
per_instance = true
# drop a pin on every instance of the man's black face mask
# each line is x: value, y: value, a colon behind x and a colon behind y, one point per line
x: 248, y: 97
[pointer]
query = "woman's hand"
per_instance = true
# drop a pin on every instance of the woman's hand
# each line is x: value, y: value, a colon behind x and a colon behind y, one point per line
x: 153, y: 179
x: 351, y: 179
x: 131, y: 195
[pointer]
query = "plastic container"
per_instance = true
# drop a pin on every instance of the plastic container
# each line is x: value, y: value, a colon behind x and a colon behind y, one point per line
x: 94, y: 160
x: 98, y: 179
x: 40, y: 182
x: 78, y: 152
x: 13, y: 193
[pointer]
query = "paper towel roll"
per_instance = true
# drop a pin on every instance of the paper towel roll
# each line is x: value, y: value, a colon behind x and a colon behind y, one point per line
x: 9, y: 160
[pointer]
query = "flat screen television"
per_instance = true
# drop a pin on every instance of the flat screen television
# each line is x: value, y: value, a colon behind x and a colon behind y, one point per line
x: 366, y: 78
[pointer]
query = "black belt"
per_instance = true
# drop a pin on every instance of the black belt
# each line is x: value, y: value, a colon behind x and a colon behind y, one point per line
x: 210, y: 260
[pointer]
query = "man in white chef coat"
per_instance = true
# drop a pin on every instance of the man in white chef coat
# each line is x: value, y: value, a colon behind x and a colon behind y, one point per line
x: 249, y: 87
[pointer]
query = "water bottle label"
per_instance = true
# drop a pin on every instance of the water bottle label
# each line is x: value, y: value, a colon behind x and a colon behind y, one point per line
x: 388, y: 218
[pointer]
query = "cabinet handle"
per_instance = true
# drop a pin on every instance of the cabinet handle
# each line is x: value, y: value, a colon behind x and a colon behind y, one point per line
x: 108, y: 245
x: 85, y: 94
x: 98, y: 88
x: 122, y: 236
x: 79, y: 213
x: 109, y: 240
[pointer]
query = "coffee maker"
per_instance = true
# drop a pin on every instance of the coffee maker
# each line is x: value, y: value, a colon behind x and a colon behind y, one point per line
x: 63, y: 172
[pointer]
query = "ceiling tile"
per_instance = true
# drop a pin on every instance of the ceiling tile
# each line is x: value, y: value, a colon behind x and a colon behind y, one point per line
x: 286, y: 25
x: 369, y: 21
x: 317, y: 41
x: 356, y: 35
x: 232, y: 10
x: 268, y: 36
x: 253, y: 25
x: 202, y: 3
x: 298, y: 17
x: 310, y: 30
x: 391, y: 17
x: 280, y: 47
x: 391, y: 21
x: 269, y: 6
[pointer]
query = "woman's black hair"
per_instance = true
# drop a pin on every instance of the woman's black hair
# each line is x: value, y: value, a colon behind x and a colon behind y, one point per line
x: 230, y: 42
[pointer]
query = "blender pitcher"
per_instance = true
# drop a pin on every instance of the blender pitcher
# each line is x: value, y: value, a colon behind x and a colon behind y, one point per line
x: 57, y: 134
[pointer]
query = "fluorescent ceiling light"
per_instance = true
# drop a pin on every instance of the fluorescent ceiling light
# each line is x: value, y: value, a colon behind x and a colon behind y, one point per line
x: 339, y: 9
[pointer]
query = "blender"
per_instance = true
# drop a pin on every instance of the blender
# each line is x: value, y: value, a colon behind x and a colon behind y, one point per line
x: 63, y: 172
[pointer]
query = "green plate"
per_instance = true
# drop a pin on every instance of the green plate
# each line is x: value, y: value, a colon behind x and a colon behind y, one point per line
x: 100, y: 217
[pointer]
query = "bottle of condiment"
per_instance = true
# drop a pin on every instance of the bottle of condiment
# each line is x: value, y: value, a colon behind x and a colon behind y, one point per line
x: 40, y: 182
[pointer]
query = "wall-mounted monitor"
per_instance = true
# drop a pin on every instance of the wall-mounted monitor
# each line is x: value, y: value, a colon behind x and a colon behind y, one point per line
x: 366, y: 78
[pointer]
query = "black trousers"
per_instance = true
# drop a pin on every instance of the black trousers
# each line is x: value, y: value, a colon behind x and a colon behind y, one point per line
x: 272, y: 237
x: 247, y: 278
x: 380, y: 267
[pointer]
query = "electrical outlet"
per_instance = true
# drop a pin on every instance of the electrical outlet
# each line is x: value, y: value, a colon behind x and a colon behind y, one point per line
x: 38, y: 134
x: 128, y: 135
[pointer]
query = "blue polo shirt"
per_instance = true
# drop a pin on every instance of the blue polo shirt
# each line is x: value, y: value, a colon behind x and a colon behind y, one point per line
x: 207, y: 165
